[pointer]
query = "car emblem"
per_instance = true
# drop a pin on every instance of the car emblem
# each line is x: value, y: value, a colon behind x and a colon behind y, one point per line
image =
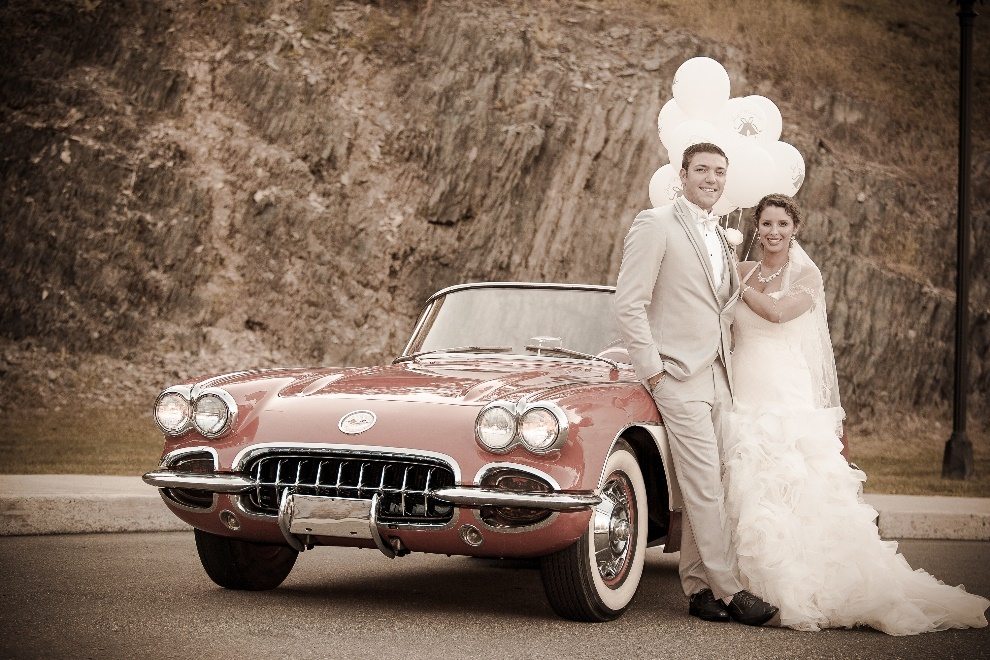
x: 357, y: 422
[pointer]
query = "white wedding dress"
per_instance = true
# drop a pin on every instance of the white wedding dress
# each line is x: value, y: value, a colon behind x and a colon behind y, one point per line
x: 805, y: 540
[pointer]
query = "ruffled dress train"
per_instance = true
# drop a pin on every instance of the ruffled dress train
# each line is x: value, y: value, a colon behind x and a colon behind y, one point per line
x: 805, y: 540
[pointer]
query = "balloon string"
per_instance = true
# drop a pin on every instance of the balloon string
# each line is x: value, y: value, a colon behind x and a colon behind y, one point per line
x: 751, y: 241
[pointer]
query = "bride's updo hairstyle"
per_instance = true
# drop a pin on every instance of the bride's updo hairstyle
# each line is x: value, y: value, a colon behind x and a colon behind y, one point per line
x: 780, y: 201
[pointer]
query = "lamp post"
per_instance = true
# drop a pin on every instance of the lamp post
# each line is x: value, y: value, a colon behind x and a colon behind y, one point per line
x: 957, y: 462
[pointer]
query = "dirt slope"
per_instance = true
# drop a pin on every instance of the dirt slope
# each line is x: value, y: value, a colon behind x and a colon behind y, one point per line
x: 191, y: 186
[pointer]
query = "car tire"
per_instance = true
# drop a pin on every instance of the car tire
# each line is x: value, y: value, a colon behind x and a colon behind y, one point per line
x: 236, y: 564
x: 577, y: 585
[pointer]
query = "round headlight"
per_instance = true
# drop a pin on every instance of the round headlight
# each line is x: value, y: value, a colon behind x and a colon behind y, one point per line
x: 211, y: 415
x: 172, y: 413
x: 495, y: 428
x: 538, y: 429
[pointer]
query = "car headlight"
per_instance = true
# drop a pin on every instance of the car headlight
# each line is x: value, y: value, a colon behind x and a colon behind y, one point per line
x: 173, y: 414
x: 538, y: 429
x: 214, y: 412
x: 495, y: 428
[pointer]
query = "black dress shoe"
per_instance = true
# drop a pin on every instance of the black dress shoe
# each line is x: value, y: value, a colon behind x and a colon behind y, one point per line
x: 747, y: 608
x: 705, y: 606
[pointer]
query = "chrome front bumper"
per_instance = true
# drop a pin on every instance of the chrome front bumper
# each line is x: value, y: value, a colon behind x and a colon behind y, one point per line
x: 309, y: 515
x: 467, y: 497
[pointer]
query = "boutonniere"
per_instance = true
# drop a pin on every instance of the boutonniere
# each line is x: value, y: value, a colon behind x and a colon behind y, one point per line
x: 733, y: 237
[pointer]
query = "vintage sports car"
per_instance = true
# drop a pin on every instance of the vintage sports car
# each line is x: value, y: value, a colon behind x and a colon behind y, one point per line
x: 510, y: 426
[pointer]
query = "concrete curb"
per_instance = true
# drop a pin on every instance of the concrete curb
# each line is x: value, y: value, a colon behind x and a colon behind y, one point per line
x: 81, y: 504
x: 85, y: 504
x: 932, y: 517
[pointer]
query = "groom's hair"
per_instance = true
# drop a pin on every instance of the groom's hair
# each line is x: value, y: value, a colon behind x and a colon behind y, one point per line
x: 701, y: 148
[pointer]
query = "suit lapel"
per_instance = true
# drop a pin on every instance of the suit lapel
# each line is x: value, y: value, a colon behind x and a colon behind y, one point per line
x: 730, y: 265
x: 684, y: 216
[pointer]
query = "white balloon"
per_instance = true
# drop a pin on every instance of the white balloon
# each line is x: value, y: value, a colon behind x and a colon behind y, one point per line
x: 789, y: 164
x: 751, y: 174
x: 744, y: 118
x: 665, y: 186
x: 775, y: 123
x: 691, y: 131
x: 701, y: 87
x: 669, y: 118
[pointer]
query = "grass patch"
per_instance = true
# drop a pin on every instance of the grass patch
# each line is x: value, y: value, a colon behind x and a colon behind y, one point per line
x: 901, y: 456
x: 80, y: 441
x: 904, y: 456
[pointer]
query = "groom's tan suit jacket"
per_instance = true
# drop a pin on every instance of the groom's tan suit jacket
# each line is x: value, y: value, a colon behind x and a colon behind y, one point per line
x: 673, y: 315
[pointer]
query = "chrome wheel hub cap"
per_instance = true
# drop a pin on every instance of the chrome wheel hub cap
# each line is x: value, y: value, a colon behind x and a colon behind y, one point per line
x: 614, y: 525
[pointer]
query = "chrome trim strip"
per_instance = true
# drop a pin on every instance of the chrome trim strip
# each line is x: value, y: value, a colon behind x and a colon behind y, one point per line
x: 173, y: 456
x: 479, y: 497
x: 489, y: 467
x: 659, y: 434
x: 171, y: 501
x: 210, y: 383
x: 214, y: 483
x: 519, y: 285
x: 246, y: 454
x: 419, y: 325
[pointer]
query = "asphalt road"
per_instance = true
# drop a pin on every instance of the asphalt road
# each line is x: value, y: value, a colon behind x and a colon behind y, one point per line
x: 145, y: 595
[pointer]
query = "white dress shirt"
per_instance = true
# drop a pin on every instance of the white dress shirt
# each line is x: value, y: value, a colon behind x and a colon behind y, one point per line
x: 706, y: 226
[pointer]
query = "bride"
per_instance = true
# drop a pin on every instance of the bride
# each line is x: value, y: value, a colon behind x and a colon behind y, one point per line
x: 804, y: 538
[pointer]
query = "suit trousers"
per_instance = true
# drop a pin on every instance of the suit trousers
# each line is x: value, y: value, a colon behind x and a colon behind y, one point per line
x: 692, y: 414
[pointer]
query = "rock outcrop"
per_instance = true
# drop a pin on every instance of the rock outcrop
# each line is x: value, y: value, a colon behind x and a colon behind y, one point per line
x: 197, y: 187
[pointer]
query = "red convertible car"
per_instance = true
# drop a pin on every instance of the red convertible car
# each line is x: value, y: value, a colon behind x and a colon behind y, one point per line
x: 510, y: 426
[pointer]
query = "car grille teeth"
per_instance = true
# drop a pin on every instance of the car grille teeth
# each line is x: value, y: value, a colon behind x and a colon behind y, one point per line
x: 403, y: 484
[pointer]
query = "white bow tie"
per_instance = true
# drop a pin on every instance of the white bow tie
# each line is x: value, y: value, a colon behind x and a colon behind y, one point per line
x: 708, y: 222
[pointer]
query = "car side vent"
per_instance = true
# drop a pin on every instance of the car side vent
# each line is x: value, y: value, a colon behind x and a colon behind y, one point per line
x: 198, y: 463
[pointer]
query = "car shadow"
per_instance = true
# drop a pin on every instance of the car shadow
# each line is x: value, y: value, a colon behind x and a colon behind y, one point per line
x: 463, y: 585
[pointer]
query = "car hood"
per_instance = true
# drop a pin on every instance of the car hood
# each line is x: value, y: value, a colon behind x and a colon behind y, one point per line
x: 293, y: 407
x: 472, y: 381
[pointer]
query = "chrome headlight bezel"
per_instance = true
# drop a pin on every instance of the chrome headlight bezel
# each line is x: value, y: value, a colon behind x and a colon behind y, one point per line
x: 559, y: 434
x: 518, y: 412
x: 182, y: 393
x: 229, y: 405
x: 507, y: 408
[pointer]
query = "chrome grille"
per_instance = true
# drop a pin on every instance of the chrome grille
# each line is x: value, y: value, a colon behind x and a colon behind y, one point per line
x: 402, y: 483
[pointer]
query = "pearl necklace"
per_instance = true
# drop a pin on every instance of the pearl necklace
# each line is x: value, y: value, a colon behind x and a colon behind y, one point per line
x: 773, y: 276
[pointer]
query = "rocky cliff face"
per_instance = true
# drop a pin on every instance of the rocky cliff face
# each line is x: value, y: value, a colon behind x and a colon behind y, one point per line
x: 190, y: 187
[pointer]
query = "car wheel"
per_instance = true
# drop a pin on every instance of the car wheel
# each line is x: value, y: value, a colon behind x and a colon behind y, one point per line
x: 236, y: 564
x: 597, y: 577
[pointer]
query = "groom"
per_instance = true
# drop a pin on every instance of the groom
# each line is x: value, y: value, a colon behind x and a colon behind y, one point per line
x: 673, y: 301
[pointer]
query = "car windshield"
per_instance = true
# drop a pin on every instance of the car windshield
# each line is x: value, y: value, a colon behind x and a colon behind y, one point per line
x: 571, y: 318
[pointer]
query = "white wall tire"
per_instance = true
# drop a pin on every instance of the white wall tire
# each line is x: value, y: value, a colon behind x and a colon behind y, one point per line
x: 596, y: 578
